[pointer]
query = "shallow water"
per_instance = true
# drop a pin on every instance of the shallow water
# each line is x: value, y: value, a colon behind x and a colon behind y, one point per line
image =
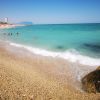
x: 70, y: 41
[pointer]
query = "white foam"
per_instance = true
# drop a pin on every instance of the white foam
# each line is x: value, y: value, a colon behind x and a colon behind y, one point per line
x: 71, y: 55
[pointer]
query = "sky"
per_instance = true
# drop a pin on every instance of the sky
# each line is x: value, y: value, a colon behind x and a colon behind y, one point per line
x: 51, y: 11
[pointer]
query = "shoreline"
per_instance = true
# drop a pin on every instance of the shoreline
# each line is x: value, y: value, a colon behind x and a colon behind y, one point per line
x: 70, y: 55
x: 79, y: 70
x: 24, y: 75
x: 5, y: 26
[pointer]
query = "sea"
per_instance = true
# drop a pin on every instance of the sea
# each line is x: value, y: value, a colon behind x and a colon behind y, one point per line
x: 73, y: 42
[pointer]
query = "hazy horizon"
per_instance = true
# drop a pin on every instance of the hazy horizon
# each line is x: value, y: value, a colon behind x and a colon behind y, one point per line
x: 51, y: 11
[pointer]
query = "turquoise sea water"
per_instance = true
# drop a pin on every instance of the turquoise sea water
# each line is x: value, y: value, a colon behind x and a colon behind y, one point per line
x: 83, y: 39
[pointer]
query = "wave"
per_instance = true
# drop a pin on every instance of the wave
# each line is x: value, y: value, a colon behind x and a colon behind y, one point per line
x: 71, y: 55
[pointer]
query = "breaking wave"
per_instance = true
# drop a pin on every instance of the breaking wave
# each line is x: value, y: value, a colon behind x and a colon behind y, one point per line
x: 71, y: 55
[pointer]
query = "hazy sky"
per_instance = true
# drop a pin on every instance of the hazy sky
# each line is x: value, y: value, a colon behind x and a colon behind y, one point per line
x: 51, y: 11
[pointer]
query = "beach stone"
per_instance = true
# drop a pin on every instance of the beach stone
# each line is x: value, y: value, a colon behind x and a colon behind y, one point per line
x: 91, y: 82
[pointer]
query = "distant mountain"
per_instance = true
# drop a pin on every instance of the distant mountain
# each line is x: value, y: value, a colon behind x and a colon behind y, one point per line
x: 26, y: 23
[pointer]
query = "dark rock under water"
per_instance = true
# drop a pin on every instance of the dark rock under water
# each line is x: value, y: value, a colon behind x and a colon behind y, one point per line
x: 93, y: 47
x: 91, y: 82
x: 59, y: 47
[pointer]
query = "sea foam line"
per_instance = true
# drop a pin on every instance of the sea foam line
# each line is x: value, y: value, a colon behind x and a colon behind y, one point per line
x: 70, y: 55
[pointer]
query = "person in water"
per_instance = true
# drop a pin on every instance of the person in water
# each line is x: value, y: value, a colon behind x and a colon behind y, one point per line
x: 17, y: 33
x: 10, y: 33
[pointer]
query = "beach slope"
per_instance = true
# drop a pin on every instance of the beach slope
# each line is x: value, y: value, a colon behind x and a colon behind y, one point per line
x: 37, y: 78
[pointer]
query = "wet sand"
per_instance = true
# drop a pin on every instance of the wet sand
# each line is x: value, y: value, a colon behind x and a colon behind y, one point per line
x: 24, y: 76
